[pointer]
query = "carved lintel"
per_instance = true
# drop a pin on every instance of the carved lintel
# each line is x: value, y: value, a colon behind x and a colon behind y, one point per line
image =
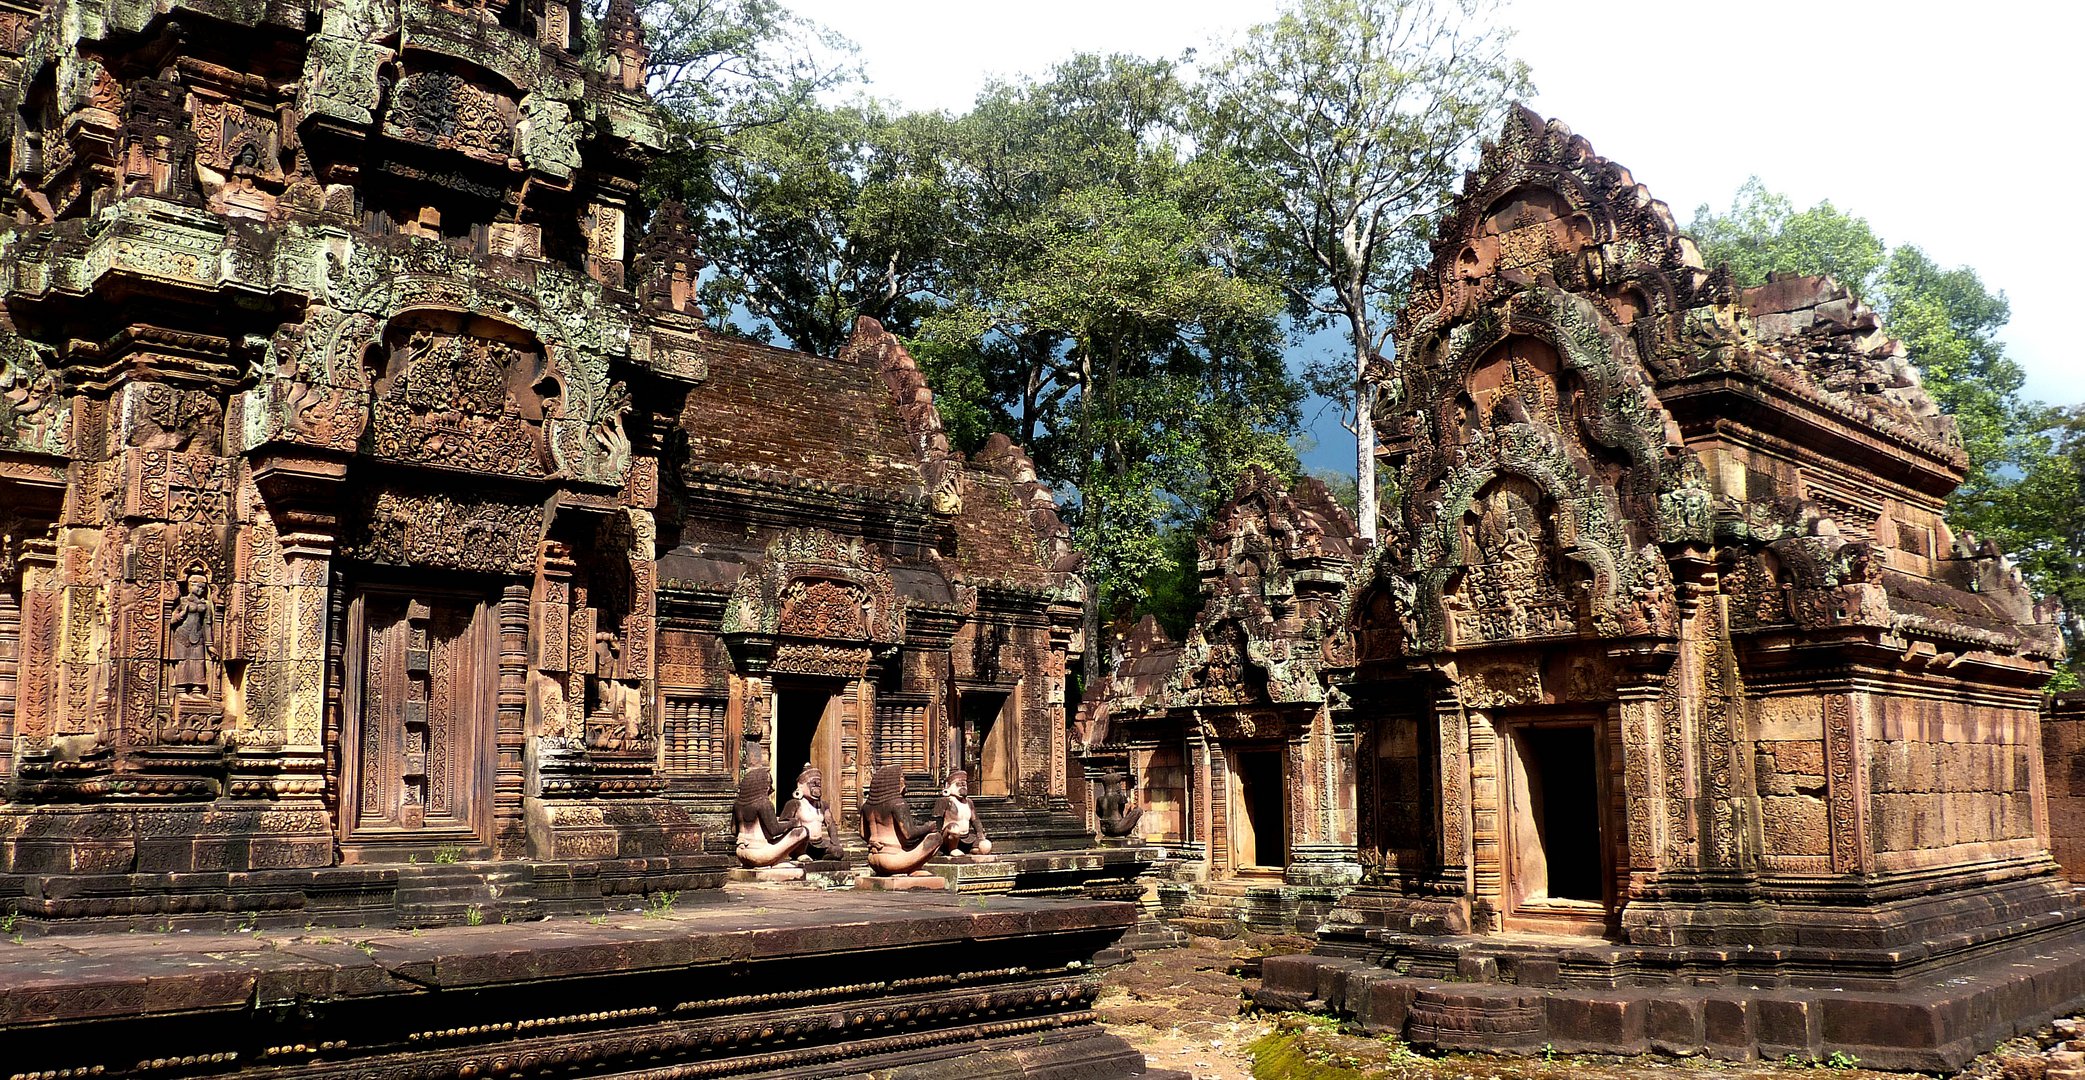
x: 302, y: 489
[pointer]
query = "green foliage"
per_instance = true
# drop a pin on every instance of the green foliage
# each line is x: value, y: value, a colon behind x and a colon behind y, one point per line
x: 658, y: 905
x: 1061, y: 260
x: 1763, y: 232
x: 448, y: 853
x: 822, y: 216
x: 474, y: 915
x: 1946, y: 318
x: 1281, y: 1055
x: 959, y: 376
x: 723, y: 68
x: 1091, y: 301
x: 1344, y: 124
x: 2037, y: 518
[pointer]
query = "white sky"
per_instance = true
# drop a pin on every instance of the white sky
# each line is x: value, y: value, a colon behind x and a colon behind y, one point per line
x: 1953, y: 126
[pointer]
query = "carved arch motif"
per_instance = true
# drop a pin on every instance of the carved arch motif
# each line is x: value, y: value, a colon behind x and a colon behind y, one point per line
x: 816, y: 584
x: 461, y: 394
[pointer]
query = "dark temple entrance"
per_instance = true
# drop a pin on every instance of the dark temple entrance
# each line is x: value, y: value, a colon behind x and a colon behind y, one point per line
x: 985, y: 742
x: 1259, y: 825
x: 1557, y: 860
x: 416, y: 746
x: 806, y: 732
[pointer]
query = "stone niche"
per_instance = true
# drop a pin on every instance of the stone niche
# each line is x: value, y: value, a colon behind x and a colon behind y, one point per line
x: 1668, y: 649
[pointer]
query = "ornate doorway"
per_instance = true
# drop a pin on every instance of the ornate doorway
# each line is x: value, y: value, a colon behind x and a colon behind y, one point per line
x: 1559, y: 867
x: 984, y: 742
x: 1258, y: 817
x: 806, y: 731
x: 415, y: 746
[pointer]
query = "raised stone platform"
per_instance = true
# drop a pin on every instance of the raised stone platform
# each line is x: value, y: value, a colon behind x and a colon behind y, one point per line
x: 1523, y: 994
x: 731, y: 982
x: 1230, y: 906
x: 406, y: 895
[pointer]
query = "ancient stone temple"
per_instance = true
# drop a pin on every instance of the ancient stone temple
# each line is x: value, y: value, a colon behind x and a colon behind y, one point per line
x: 373, y: 490
x: 2063, y: 757
x: 1668, y: 649
x: 1244, y: 757
x: 383, y: 538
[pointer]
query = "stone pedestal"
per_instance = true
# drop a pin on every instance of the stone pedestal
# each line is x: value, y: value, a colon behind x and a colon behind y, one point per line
x: 786, y: 874
x: 875, y: 883
x: 609, y: 828
x: 695, y: 988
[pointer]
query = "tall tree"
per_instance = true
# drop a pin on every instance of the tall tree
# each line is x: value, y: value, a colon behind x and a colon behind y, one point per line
x: 2036, y: 518
x: 721, y: 67
x: 1947, y: 319
x: 824, y: 216
x: 1348, y: 121
x: 1763, y: 232
x: 1090, y: 290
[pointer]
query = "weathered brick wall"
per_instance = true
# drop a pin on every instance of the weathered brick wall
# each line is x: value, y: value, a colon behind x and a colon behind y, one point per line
x: 2063, y: 756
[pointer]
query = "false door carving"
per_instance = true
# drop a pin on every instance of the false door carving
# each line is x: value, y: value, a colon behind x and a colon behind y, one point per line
x: 415, y: 746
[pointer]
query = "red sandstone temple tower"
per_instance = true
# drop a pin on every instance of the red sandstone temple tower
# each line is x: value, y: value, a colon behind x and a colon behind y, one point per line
x: 372, y: 494
x: 1242, y: 750
x: 1668, y: 646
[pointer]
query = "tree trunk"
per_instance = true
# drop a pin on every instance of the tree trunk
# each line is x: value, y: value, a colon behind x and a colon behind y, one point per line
x: 1364, y: 431
x: 1090, y: 663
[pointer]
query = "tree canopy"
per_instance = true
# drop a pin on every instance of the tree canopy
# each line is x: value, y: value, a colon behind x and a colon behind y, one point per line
x: 1055, y: 257
x: 1347, y: 123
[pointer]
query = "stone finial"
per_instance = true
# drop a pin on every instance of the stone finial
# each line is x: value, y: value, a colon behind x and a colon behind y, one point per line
x: 622, y: 31
x: 669, y: 261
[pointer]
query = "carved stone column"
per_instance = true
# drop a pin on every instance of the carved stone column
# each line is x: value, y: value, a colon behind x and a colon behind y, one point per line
x: 10, y: 655
x: 1643, y: 771
x: 1328, y: 852
x: 1455, y: 801
x: 1487, y: 879
x: 36, y: 670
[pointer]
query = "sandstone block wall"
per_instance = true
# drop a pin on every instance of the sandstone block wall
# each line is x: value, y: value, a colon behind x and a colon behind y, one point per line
x: 2063, y: 756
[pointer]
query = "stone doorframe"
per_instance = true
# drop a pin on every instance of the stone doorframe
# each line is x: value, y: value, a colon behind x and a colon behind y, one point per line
x: 476, y: 733
x: 1514, y: 731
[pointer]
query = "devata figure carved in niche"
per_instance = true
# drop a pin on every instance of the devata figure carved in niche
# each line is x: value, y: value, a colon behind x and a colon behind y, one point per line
x: 961, y: 831
x: 807, y: 810
x: 1116, y: 805
x: 762, y: 840
x: 897, y: 845
x: 616, y: 701
x: 192, y: 638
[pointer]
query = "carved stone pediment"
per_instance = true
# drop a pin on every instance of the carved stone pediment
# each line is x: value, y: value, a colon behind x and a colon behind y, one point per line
x: 459, y: 399
x: 449, y: 112
x: 816, y: 586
